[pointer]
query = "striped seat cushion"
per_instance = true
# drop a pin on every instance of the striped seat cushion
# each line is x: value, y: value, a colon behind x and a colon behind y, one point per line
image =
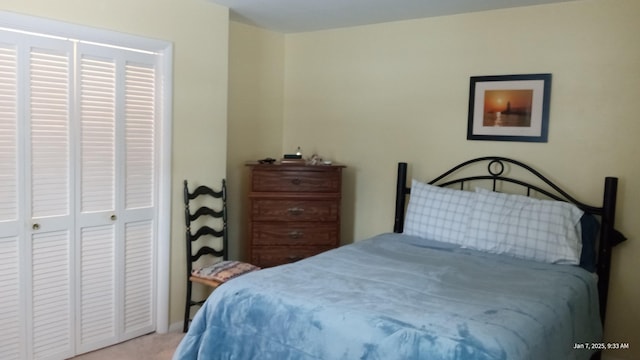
x: 224, y: 270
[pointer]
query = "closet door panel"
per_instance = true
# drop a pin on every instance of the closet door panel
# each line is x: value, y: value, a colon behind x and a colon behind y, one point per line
x: 139, y: 282
x: 49, y: 201
x: 97, y: 216
x: 139, y: 187
x: 50, y: 86
x: 97, y: 325
x: 11, y: 328
x: 8, y: 135
x: 51, y: 303
x: 97, y: 134
x: 140, y: 119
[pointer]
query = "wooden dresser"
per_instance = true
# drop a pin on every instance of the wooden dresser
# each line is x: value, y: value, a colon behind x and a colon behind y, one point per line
x: 294, y: 211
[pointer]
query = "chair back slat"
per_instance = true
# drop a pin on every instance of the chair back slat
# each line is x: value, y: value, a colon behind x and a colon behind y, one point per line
x: 205, y: 250
x: 205, y: 230
x: 206, y: 211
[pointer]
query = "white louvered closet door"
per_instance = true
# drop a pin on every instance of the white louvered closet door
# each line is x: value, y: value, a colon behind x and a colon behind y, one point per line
x: 49, y: 191
x: 12, y: 328
x: 97, y: 224
x: 139, y: 186
x: 77, y: 196
x: 116, y: 216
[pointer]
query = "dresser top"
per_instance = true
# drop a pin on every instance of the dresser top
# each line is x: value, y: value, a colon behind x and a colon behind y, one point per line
x: 291, y: 166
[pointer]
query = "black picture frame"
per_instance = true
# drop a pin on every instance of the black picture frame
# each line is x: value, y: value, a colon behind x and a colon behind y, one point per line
x: 509, y: 107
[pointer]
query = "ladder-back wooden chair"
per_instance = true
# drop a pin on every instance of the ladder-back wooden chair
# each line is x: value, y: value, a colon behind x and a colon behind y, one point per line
x: 208, y: 241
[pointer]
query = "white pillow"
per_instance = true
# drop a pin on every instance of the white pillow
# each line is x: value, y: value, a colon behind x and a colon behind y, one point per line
x: 438, y: 213
x: 525, y: 227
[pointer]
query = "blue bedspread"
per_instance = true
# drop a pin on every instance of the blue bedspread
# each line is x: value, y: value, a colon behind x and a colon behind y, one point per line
x: 399, y: 297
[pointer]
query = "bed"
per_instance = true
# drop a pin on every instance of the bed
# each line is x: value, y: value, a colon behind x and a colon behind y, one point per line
x: 458, y: 278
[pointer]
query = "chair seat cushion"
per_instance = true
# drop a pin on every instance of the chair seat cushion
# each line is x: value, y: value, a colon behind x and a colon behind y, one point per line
x: 224, y: 270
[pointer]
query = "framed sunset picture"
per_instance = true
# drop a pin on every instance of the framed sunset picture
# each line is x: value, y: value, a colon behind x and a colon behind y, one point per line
x: 509, y: 107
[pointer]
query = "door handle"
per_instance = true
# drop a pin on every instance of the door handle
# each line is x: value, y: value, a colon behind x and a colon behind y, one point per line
x: 296, y: 234
x: 114, y: 217
x: 35, y: 226
x: 295, y: 210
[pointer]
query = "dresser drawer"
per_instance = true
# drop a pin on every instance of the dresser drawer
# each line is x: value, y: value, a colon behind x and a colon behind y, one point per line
x: 296, y: 233
x: 295, y: 181
x: 295, y: 210
x: 277, y: 255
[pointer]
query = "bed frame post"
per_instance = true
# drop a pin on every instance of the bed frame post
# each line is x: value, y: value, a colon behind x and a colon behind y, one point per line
x: 401, y: 198
x: 607, y: 241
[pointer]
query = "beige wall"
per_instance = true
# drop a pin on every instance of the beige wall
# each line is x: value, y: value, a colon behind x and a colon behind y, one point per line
x: 256, y: 90
x: 374, y: 95
x: 198, y: 30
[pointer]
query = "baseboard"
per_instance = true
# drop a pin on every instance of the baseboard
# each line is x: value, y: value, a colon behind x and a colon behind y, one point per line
x: 176, y: 327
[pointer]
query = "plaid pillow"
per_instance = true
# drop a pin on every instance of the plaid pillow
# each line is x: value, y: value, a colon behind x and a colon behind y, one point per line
x: 524, y: 227
x: 437, y: 213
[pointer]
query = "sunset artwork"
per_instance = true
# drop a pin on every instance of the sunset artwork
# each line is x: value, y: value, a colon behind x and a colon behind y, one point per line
x: 507, y: 108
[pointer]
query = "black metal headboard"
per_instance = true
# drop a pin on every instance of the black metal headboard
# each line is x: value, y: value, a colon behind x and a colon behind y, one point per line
x: 609, y: 236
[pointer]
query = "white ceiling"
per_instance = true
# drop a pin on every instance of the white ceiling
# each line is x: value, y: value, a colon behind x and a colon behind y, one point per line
x: 291, y: 16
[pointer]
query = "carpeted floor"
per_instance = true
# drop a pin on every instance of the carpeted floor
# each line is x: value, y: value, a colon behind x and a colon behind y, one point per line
x: 149, y: 347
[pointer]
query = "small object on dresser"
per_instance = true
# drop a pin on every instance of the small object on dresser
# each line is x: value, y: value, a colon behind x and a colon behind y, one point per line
x: 296, y: 156
x: 267, y: 161
x: 292, y: 156
x: 315, y: 159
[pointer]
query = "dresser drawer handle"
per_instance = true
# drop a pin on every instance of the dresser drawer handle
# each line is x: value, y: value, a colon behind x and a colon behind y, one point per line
x: 295, y: 211
x: 296, y: 181
x: 296, y: 234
